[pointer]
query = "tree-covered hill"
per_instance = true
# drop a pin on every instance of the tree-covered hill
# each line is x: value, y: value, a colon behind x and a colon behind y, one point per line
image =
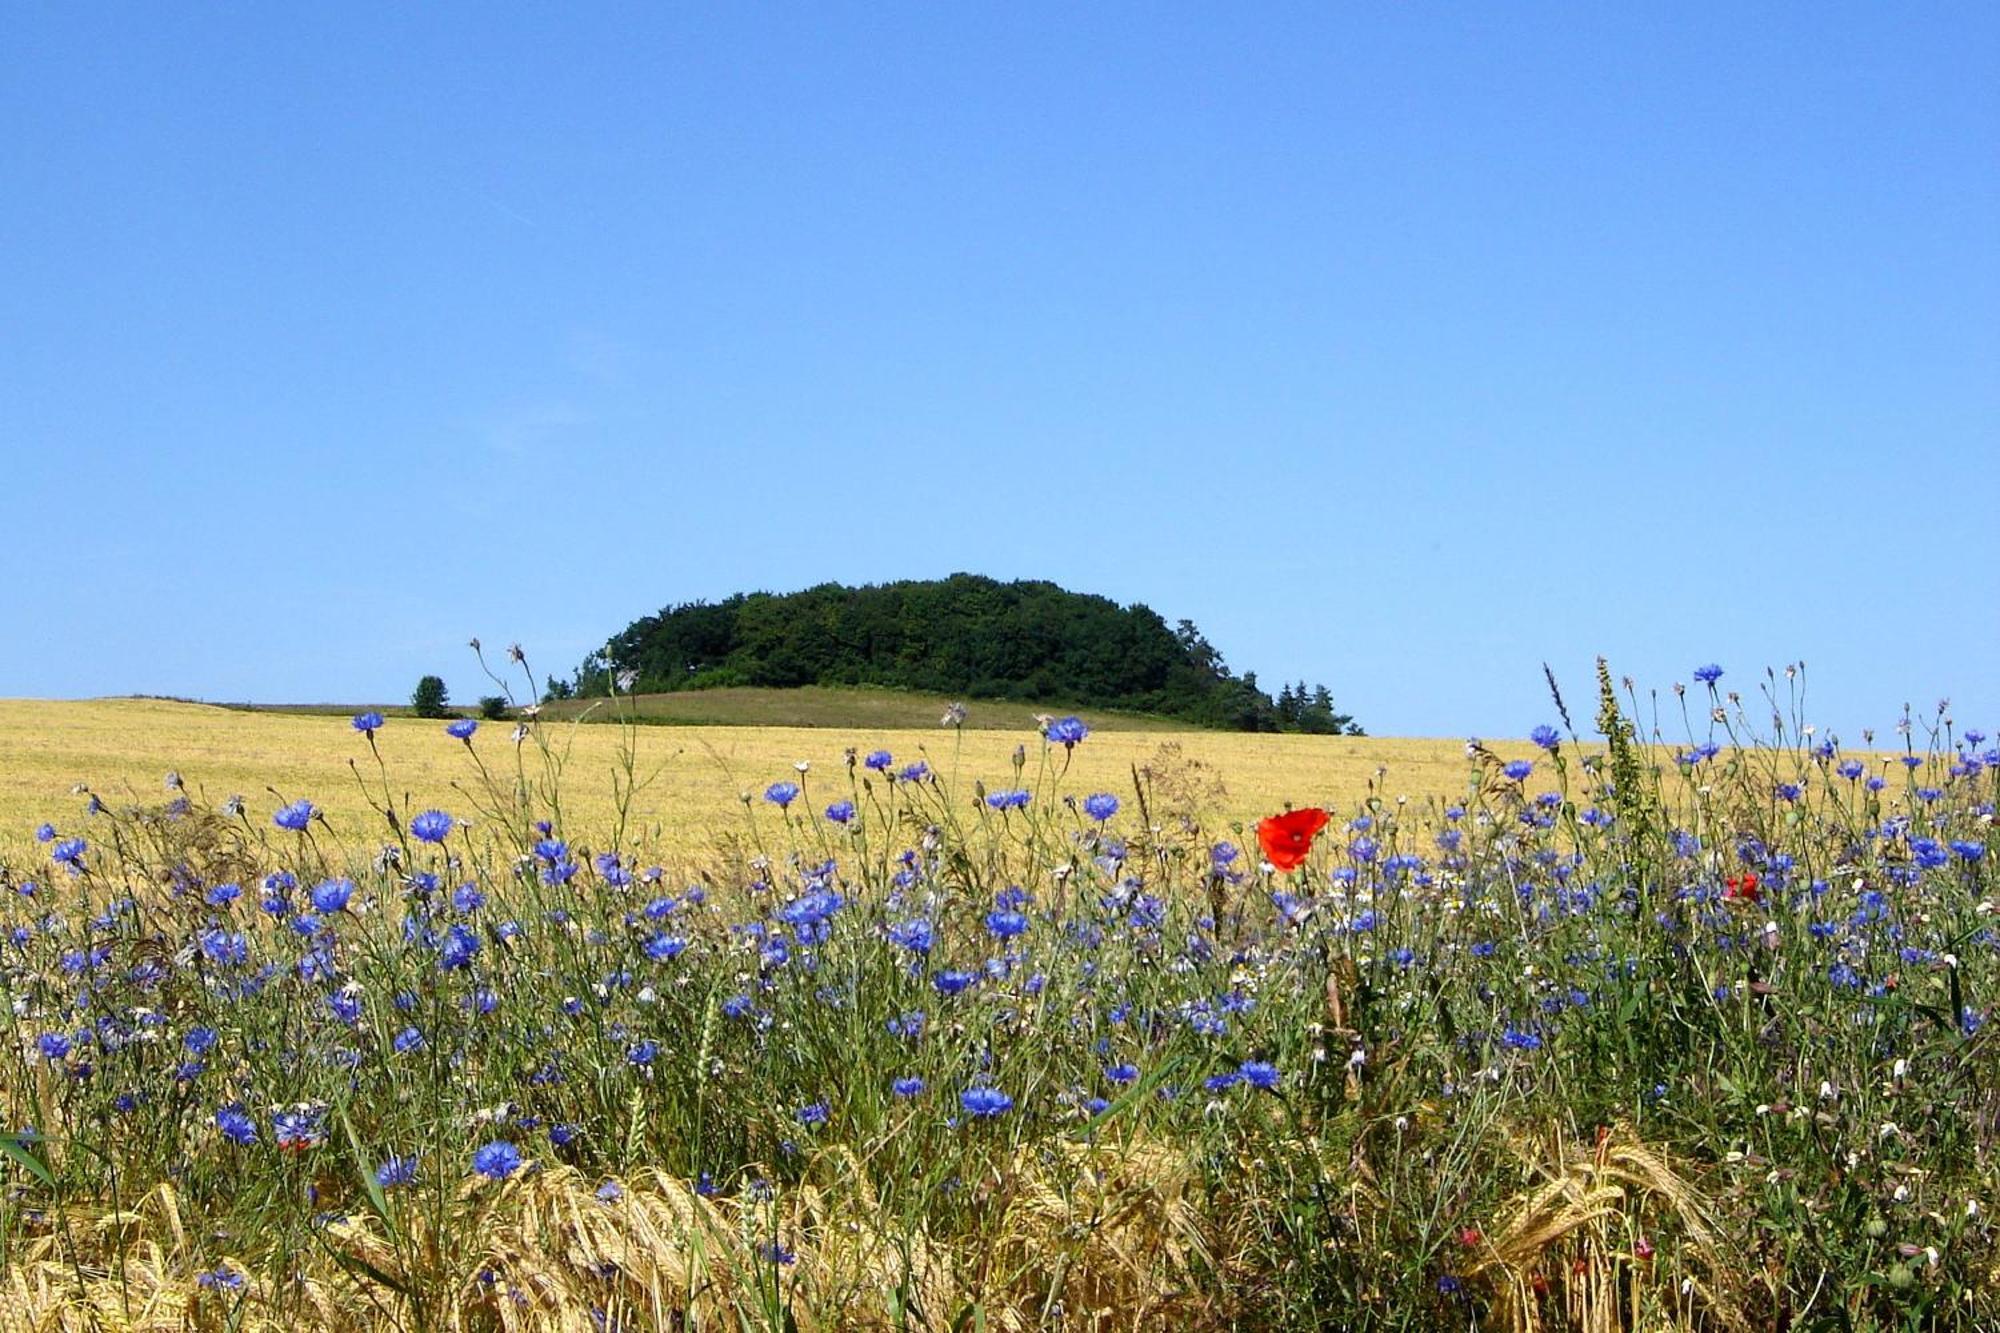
x: 964, y: 635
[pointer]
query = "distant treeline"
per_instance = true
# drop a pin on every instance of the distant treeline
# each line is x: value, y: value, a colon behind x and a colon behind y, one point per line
x: 965, y: 635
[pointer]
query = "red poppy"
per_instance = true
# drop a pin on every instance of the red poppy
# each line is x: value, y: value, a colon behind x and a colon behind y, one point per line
x: 1287, y: 838
x: 1743, y: 886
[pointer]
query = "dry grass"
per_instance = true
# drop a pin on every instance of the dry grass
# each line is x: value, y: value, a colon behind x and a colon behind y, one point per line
x: 122, y: 749
x: 1097, y: 1238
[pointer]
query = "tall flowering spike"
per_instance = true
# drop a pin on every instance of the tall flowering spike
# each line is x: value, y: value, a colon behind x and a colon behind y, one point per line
x: 1287, y: 839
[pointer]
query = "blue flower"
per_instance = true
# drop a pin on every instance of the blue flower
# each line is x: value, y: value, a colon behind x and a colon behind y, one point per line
x: 1222, y: 1082
x: 69, y: 852
x: 1122, y: 1074
x: 642, y: 1053
x: 461, y: 729
x: 1067, y: 732
x: 841, y: 812
x: 665, y: 948
x: 1261, y: 1074
x: 467, y: 898
x: 879, y: 760
x: 1100, y: 806
x: 431, y: 826
x: 908, y: 1086
x: 53, y: 1045
x: 917, y: 935
x: 457, y: 947
x: 497, y: 1160
x: 782, y: 794
x: 564, y: 1133
x: 1520, y: 1040
x: 1005, y: 924
x: 45, y: 833
x: 395, y: 1172
x: 916, y: 772
x: 1009, y: 800
x: 346, y: 1007
x: 813, y: 1113
x: 1969, y: 851
x: 952, y: 981
x: 200, y: 1041
x: 223, y: 894
x: 985, y: 1102
x: 236, y: 1124
x: 300, y: 1128
x: 220, y: 1279
x: 368, y: 723
x: 1517, y: 770
x: 1709, y: 674
x: 1547, y: 737
x: 295, y: 816
x: 331, y: 895
x: 409, y: 1039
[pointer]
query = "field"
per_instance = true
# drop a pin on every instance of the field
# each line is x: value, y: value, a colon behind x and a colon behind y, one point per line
x: 695, y: 774
x: 638, y: 1027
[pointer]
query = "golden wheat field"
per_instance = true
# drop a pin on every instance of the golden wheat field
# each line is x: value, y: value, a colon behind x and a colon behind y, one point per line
x: 694, y: 777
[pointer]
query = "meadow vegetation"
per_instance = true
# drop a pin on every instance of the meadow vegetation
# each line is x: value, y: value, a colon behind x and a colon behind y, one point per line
x: 1598, y: 1035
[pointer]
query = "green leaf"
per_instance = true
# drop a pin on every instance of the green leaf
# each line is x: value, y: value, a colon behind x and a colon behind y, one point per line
x: 16, y: 1147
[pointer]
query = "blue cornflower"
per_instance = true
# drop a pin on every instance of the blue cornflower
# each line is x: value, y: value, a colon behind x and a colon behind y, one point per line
x: 1067, y: 732
x: 395, y: 1172
x: 69, y: 852
x: 1517, y: 770
x: 642, y: 1053
x: 782, y: 794
x: 457, y: 947
x: 409, y: 1039
x: 431, y: 826
x: 200, y: 1041
x: 295, y: 816
x: 1788, y: 791
x: 1122, y: 1074
x: 345, y: 1006
x: 879, y: 760
x: 236, y: 1124
x: 45, y: 833
x: 461, y: 729
x: 368, y: 723
x: 1547, y: 737
x: 331, y: 895
x: 917, y: 935
x: 551, y: 850
x: 985, y: 1102
x: 467, y: 898
x: 1005, y: 924
x: 665, y: 948
x: 300, y: 1128
x: 1521, y: 1040
x: 564, y: 1133
x: 841, y: 812
x: 812, y: 1113
x: 223, y: 894
x: 908, y: 1086
x: 1222, y: 1082
x: 1009, y: 800
x: 53, y: 1045
x: 497, y: 1160
x: 220, y: 1279
x: 1709, y: 674
x: 737, y: 1006
x: 952, y: 981
x: 1100, y: 806
x: 916, y: 772
x: 1967, y: 850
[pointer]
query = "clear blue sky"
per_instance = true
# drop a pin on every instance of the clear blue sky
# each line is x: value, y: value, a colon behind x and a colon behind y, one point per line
x: 1398, y: 347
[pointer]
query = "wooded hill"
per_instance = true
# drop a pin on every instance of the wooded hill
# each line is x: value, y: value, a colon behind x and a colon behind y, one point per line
x: 966, y: 635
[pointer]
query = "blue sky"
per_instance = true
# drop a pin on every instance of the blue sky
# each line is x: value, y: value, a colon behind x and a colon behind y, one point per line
x: 1399, y: 348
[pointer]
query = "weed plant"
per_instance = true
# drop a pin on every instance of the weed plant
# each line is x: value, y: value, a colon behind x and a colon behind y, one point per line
x: 1608, y: 1043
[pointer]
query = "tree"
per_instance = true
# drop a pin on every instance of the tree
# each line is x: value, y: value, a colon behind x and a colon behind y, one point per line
x: 430, y: 697
x: 493, y: 707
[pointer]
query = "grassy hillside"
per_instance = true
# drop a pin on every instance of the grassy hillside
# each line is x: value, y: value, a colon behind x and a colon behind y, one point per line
x: 836, y: 706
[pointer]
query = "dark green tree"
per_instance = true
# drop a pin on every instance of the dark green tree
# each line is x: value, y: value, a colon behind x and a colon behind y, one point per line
x: 430, y: 699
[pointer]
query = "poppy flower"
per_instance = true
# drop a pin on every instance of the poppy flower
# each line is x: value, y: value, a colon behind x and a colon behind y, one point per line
x: 1743, y: 886
x: 1288, y: 838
